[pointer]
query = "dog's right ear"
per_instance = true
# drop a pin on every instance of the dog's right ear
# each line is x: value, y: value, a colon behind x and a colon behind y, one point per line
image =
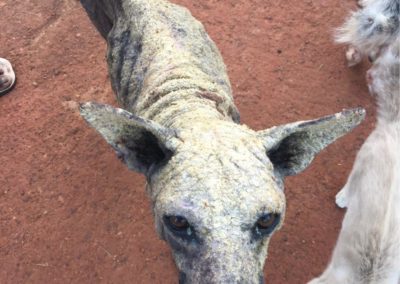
x: 140, y: 143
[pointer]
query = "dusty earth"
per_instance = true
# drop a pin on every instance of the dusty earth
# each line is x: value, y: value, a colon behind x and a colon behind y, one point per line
x: 70, y: 212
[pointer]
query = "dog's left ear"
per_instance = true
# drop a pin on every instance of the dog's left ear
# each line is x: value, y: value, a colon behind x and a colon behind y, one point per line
x: 292, y: 147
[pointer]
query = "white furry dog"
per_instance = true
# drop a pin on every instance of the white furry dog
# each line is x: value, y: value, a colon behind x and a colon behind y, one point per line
x: 368, y: 248
x: 369, y: 29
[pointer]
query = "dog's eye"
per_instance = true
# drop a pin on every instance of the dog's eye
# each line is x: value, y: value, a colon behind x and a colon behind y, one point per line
x: 180, y: 227
x: 267, y: 223
x: 178, y: 223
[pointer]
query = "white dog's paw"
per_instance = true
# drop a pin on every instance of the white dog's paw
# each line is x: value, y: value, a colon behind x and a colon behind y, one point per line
x: 353, y: 56
x: 7, y: 76
x: 341, y: 199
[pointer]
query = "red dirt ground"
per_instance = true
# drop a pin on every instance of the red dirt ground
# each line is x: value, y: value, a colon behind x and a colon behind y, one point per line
x: 70, y: 212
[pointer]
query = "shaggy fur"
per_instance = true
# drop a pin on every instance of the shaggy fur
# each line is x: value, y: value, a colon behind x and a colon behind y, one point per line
x: 370, y: 29
x: 368, y: 248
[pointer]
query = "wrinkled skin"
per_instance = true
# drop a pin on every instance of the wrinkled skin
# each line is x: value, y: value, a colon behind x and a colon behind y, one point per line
x: 222, y: 181
x: 216, y: 186
x: 219, y: 176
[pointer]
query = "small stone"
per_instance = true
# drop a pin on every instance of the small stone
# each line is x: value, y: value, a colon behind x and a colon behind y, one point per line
x: 35, y: 84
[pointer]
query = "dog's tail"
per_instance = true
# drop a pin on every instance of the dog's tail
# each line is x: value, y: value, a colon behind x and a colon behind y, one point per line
x: 103, y: 13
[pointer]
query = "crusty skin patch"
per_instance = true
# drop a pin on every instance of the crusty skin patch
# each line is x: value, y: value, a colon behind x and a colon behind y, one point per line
x: 180, y: 127
x: 7, y: 76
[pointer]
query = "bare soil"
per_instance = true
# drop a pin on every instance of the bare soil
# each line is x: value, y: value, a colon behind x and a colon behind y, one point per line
x: 70, y: 212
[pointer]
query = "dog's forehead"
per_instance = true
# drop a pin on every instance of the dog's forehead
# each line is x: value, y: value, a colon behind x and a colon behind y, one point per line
x: 220, y: 173
x: 222, y: 139
x: 219, y: 158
